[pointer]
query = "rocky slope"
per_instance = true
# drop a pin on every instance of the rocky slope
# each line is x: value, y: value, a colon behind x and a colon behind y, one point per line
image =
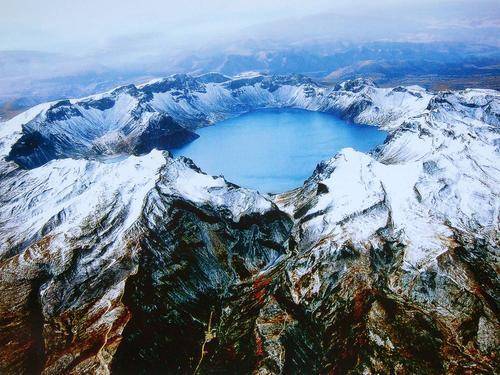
x: 118, y: 258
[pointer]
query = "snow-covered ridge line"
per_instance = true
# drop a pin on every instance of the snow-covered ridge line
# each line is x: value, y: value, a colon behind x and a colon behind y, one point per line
x: 164, y: 112
x: 60, y: 197
x: 436, y: 174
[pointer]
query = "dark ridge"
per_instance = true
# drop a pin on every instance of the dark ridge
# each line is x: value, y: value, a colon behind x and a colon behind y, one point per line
x: 61, y: 103
x: 33, y: 149
x: 100, y: 104
x: 61, y: 112
x: 36, y: 357
x: 163, y: 133
x: 311, y: 216
x: 321, y: 189
x: 242, y: 82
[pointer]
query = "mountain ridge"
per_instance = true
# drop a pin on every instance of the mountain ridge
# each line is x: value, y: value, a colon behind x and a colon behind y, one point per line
x: 379, y: 262
x: 125, y: 119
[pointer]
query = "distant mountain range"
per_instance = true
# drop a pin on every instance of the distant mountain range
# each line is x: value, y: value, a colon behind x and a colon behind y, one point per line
x: 28, y: 78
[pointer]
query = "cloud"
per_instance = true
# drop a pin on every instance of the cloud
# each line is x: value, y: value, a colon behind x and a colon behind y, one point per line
x: 84, y: 27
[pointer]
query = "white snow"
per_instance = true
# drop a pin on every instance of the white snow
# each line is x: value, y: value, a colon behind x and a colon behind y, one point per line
x: 439, y: 171
x: 75, y: 190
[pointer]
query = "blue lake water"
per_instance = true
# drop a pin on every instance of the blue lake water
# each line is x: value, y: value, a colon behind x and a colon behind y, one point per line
x: 274, y: 150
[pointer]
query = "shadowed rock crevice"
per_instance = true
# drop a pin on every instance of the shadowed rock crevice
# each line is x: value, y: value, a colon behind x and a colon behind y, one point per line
x: 38, y: 146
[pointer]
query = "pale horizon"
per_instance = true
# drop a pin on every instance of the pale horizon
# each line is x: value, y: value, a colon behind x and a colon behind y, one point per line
x: 156, y: 26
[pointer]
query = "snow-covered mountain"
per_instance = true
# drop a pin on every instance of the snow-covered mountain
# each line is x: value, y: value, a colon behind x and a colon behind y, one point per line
x: 114, y: 256
x: 163, y: 113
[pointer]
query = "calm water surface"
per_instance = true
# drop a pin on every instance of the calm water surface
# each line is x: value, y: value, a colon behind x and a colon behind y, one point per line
x: 275, y: 150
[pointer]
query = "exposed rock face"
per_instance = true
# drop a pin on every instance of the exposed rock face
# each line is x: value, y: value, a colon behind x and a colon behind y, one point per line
x: 379, y: 263
x: 195, y: 259
x: 75, y: 267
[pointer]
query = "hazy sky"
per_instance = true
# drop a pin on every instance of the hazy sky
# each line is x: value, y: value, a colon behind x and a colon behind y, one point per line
x: 84, y: 26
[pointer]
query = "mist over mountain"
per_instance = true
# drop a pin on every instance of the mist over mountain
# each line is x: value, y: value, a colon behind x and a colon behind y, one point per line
x: 74, y: 51
x: 28, y: 78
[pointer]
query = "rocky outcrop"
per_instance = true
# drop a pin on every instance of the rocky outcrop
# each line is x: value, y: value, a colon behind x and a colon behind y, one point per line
x: 380, y: 263
x: 196, y: 292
